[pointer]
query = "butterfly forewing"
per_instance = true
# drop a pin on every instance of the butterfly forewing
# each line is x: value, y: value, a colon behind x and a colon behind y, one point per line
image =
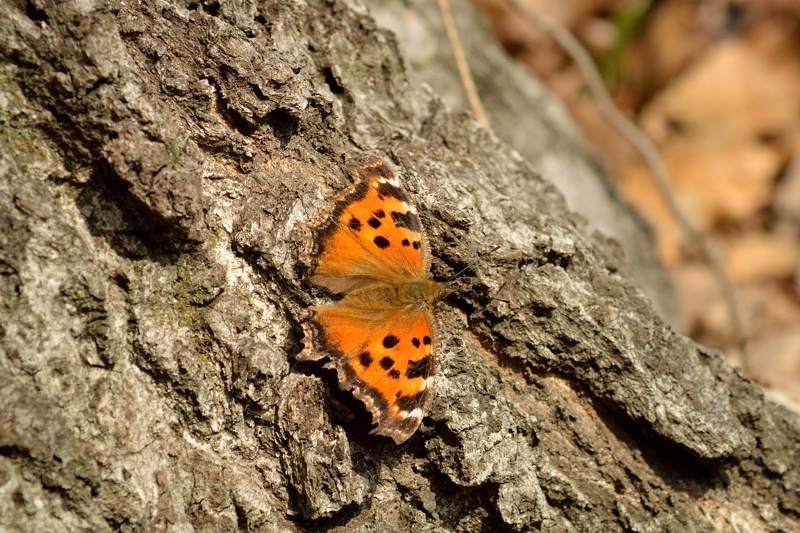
x: 376, y: 233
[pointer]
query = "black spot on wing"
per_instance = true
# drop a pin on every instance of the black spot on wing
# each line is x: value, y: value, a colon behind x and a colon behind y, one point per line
x: 374, y: 222
x: 415, y: 342
x: 365, y: 359
x: 416, y: 245
x: 390, y: 341
x: 420, y: 368
x: 381, y: 242
x: 405, y: 242
x: 394, y: 374
x: 380, y: 213
x: 387, y: 189
x: 386, y: 363
x: 426, y: 340
x: 406, y: 220
x: 354, y: 224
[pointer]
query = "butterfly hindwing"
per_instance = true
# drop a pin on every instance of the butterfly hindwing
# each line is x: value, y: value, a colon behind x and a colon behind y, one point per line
x: 387, y: 367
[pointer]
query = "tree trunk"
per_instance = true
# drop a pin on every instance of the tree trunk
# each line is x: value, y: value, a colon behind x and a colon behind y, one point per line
x: 160, y: 165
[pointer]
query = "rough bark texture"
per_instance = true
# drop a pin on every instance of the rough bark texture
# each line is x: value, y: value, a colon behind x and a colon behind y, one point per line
x: 158, y: 163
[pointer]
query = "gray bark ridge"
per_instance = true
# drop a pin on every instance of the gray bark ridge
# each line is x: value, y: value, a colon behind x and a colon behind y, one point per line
x: 159, y: 164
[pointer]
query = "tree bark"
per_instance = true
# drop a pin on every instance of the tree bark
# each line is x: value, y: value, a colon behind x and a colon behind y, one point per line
x: 160, y: 163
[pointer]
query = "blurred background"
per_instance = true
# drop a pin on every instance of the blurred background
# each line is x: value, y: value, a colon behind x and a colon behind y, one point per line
x: 716, y: 85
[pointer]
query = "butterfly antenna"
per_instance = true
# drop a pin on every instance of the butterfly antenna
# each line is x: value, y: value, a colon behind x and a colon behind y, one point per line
x: 454, y: 276
x: 469, y: 265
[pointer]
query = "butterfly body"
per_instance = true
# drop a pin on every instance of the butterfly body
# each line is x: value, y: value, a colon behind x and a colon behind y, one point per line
x: 421, y: 293
x: 370, y: 250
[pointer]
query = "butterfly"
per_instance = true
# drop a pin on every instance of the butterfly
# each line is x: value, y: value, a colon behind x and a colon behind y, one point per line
x: 370, y: 249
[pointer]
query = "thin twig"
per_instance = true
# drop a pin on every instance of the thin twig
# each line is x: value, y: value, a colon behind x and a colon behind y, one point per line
x: 461, y: 64
x: 649, y: 154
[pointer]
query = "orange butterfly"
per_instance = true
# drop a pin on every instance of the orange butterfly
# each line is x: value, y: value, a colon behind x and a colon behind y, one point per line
x: 371, y: 250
